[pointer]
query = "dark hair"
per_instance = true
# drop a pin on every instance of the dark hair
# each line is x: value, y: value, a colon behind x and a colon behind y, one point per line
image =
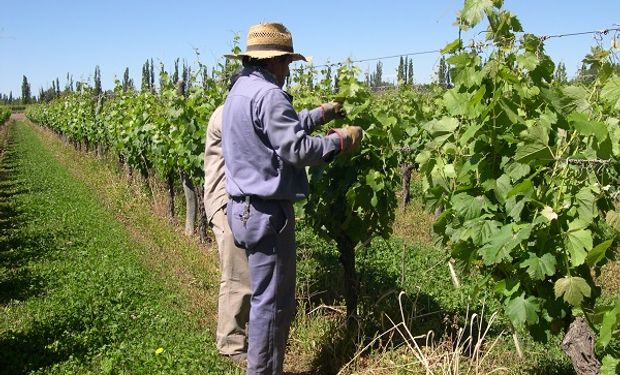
x: 252, y: 62
x: 233, y: 78
x: 261, y: 63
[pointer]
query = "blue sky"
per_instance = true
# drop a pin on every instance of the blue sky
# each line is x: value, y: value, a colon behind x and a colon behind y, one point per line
x: 48, y: 39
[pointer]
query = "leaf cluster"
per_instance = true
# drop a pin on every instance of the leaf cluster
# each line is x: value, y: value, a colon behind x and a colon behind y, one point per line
x: 525, y: 173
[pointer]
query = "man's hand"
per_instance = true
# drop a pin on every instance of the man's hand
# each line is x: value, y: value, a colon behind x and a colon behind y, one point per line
x: 350, y: 138
x: 332, y: 110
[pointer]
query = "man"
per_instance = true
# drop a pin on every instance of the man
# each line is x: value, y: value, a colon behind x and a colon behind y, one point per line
x: 266, y: 146
x: 234, y: 296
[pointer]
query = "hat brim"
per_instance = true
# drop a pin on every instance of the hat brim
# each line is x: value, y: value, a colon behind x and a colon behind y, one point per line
x: 269, y: 54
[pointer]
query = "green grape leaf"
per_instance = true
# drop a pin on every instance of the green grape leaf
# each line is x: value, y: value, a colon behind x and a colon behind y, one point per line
x: 586, y: 204
x: 598, y: 253
x: 579, y: 242
x: 611, y: 93
x: 503, y: 242
x: 585, y: 126
x: 502, y: 188
x: 539, y: 268
x: 449, y: 171
x: 536, y: 134
x: 611, y: 319
x: 467, y: 206
x: 374, y: 180
x: 374, y: 200
x: 515, y: 208
x: 455, y: 102
x: 523, y: 187
x: 469, y: 133
x: 446, y: 125
x: 528, y: 61
x: 517, y: 171
x: 522, y: 310
x: 452, y: 46
x: 575, y: 99
x: 613, y: 219
x: 533, y: 152
x: 610, y: 365
x: 474, y: 10
x: 573, y: 289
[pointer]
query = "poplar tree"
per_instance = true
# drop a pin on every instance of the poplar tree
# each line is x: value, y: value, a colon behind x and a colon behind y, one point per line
x: 175, y: 75
x: 25, y: 90
x: 328, y: 75
x: 560, y: 76
x: 69, y: 84
x: 97, y: 80
x: 443, y: 74
x: 186, y: 75
x: 400, y: 72
x: 376, y: 78
x: 410, y: 73
x: 162, y: 77
x: 127, y: 82
x: 152, y: 75
x: 146, y: 76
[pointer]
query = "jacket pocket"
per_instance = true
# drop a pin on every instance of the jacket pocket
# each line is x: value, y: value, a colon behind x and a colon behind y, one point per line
x: 262, y: 222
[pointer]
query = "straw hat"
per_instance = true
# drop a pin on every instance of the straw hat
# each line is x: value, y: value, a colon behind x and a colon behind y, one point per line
x: 267, y: 40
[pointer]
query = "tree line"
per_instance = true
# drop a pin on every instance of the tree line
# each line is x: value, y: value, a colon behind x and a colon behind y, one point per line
x: 375, y: 79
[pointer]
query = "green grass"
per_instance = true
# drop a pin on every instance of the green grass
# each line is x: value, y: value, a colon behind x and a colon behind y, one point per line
x: 431, y: 303
x: 75, y: 294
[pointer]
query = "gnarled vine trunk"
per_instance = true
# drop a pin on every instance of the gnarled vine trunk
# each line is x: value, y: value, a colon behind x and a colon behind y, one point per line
x: 146, y: 182
x: 190, y: 204
x: 129, y: 174
x: 351, y: 285
x: 406, y: 170
x: 202, y: 214
x: 578, y: 344
x: 170, y: 196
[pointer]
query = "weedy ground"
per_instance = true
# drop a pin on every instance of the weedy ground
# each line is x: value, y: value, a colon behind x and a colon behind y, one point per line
x: 81, y: 290
x: 94, y: 279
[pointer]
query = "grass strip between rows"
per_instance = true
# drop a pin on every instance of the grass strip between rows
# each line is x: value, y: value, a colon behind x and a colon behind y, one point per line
x: 75, y: 293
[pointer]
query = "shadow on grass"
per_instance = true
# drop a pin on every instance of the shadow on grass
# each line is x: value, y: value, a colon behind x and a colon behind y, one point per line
x: 379, y: 308
x: 376, y: 304
x: 551, y: 367
x: 19, y: 285
x: 378, y: 300
x: 39, y: 344
x: 44, y: 344
x: 20, y: 242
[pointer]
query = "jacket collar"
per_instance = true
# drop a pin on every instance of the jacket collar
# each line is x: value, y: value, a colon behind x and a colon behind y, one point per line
x: 261, y: 73
x: 266, y: 75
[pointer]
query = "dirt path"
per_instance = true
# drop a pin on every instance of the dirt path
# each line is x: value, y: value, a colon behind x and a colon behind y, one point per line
x: 17, y: 116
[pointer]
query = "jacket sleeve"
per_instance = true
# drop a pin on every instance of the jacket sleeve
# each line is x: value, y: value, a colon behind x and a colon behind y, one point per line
x: 287, y: 135
x: 311, y: 119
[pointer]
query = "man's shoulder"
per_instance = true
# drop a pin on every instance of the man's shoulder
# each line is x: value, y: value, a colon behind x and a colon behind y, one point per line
x: 218, y: 111
x: 254, y: 86
x: 215, y: 121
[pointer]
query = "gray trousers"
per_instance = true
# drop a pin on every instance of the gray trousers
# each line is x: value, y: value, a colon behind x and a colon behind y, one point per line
x: 234, y: 300
x: 266, y: 229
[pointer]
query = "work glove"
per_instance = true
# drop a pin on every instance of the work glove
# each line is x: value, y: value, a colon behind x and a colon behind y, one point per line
x: 350, y: 138
x: 332, y: 110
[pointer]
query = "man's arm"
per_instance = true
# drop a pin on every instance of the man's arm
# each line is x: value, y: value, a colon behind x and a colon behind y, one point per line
x: 312, y: 119
x: 289, y: 137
